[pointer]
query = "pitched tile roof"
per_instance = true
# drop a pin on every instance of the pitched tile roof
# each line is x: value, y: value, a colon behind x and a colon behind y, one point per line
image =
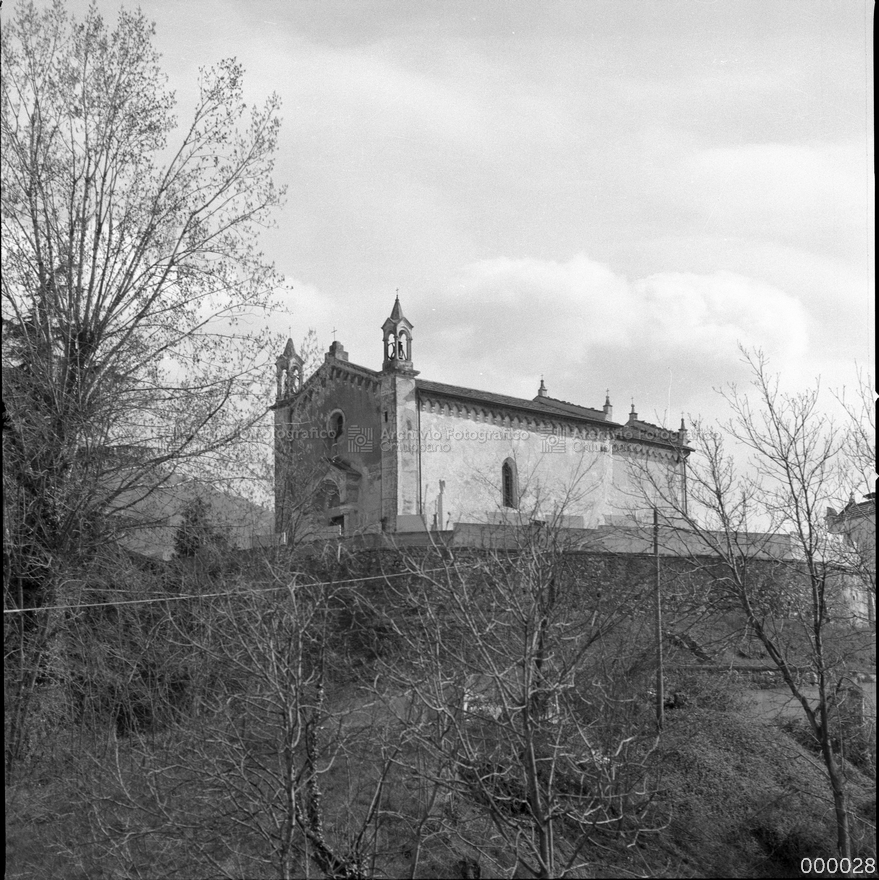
x: 564, y: 406
x: 637, y: 429
x: 857, y: 509
x: 535, y: 406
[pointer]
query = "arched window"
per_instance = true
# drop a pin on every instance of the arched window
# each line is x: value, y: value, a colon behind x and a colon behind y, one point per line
x: 294, y: 380
x: 336, y: 426
x: 282, y: 382
x: 509, y: 489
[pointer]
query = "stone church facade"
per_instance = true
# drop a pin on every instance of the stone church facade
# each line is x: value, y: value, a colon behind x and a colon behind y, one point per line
x: 361, y: 450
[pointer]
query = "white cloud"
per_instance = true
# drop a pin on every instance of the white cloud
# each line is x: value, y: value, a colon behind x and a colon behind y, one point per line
x: 709, y: 314
x: 784, y: 192
x: 503, y: 321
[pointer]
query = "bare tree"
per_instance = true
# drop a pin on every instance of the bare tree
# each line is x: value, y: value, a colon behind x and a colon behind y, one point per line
x: 856, y: 521
x: 776, y: 561
x: 246, y: 780
x: 514, y: 704
x: 860, y: 431
x: 130, y: 268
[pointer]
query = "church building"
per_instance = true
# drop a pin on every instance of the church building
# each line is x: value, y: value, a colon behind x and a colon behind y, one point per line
x: 359, y: 450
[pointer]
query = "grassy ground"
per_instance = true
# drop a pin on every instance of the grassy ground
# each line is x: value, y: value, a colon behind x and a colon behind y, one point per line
x: 745, y: 799
x: 739, y: 797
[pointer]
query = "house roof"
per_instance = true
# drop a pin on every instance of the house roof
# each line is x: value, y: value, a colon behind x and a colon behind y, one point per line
x: 855, y: 509
x: 569, y: 410
x: 549, y: 406
x: 554, y: 404
x: 637, y: 429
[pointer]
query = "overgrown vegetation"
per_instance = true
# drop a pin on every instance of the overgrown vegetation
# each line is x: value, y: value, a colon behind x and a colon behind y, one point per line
x: 287, y: 727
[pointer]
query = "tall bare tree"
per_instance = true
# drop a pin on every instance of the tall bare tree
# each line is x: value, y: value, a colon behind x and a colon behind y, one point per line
x: 517, y: 703
x: 130, y: 266
x: 777, y: 561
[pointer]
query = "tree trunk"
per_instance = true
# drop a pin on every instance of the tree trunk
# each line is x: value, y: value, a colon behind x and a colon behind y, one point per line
x: 840, y: 799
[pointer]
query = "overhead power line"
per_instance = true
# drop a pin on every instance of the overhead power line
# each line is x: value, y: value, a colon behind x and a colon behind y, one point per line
x: 250, y: 591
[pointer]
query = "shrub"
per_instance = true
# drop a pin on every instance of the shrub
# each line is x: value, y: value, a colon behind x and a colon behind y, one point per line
x: 719, y: 692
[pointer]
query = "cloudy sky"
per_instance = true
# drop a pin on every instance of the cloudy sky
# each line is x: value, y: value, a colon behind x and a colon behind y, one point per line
x: 609, y: 193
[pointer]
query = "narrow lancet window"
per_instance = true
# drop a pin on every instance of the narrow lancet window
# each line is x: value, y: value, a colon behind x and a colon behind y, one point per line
x: 508, y: 482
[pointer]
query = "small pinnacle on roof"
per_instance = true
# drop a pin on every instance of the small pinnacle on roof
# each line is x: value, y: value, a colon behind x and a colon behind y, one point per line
x: 608, y: 409
x: 541, y: 392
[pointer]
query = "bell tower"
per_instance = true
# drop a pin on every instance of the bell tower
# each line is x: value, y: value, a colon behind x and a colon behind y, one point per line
x: 288, y: 383
x: 397, y: 339
x: 288, y: 369
x: 400, y: 428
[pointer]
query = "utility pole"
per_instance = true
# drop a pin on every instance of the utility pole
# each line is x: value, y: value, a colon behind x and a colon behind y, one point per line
x: 660, y: 685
